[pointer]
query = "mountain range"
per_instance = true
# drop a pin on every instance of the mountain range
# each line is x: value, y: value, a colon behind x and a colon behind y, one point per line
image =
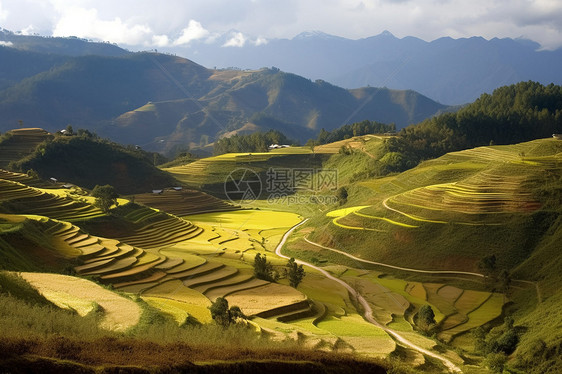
x: 450, y: 71
x: 161, y: 101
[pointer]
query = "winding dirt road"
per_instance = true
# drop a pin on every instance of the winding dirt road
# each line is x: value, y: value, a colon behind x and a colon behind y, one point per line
x: 368, y: 312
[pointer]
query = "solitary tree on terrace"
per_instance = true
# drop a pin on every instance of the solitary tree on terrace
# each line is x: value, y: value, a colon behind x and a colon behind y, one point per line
x: 425, y: 318
x: 263, y: 269
x: 295, y: 272
x: 222, y: 314
x: 105, y: 197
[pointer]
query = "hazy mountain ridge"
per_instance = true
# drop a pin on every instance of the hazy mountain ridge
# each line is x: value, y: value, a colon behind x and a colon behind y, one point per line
x: 69, y: 46
x: 161, y: 101
x: 451, y: 71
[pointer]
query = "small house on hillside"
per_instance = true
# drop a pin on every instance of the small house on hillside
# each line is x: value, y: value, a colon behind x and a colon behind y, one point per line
x: 157, y: 192
x: 277, y: 146
x: 557, y: 136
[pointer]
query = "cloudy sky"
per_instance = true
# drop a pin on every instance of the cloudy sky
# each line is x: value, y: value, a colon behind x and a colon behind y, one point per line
x: 169, y: 23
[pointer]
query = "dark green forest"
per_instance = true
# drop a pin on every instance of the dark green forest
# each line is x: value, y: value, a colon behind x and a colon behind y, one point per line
x: 354, y: 129
x: 255, y: 142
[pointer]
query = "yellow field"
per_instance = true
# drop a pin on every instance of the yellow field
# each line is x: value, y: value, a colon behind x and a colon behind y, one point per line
x: 259, y: 299
x: 192, y: 302
x: 247, y: 219
x: 119, y: 313
x: 345, y: 211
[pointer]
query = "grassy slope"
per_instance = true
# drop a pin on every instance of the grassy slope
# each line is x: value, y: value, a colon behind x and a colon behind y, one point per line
x: 88, y: 163
x: 495, y: 212
x: 210, y: 174
x: 502, y: 200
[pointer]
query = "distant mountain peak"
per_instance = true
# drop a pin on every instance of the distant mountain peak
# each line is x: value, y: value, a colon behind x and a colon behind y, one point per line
x: 315, y: 34
x: 387, y: 34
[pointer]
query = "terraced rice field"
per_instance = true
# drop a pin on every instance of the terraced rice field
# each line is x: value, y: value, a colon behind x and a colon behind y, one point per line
x: 168, y: 276
x: 21, y: 178
x: 153, y: 229
x: 22, y: 199
x: 184, y: 202
x: 21, y: 143
x: 119, y: 313
x: 395, y: 302
x: 212, y: 172
x: 357, y: 142
x: 480, y: 186
x: 214, y: 169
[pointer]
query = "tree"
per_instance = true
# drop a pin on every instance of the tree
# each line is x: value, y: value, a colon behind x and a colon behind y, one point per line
x: 426, y: 318
x: 263, y: 269
x: 220, y: 312
x: 105, y: 197
x: 488, y: 266
x: 342, y: 195
x: 223, y: 315
x: 295, y: 272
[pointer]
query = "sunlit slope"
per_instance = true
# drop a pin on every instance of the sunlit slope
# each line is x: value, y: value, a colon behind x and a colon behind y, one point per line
x: 183, y: 202
x: 452, y: 211
x: 83, y: 296
x: 210, y: 174
x: 140, y: 250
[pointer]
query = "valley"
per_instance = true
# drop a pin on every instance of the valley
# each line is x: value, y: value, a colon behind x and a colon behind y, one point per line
x: 371, y: 265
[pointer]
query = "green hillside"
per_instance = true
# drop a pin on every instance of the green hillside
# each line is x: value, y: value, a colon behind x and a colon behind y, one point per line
x: 87, y: 161
x: 162, y: 101
x: 452, y: 212
x: 481, y: 192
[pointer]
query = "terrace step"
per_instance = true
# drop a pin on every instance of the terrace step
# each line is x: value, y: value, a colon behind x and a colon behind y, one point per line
x: 215, y: 276
x: 286, y: 309
x: 232, y: 281
x: 304, y: 312
x: 114, y: 266
x: 198, y: 271
x: 155, y: 277
x: 85, y: 240
x: 90, y: 251
x: 185, y: 266
x: 223, y: 291
x: 120, y: 252
x: 135, y: 271
x: 82, y: 269
x: 170, y: 264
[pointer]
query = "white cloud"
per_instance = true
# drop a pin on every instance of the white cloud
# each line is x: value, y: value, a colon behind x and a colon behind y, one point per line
x: 85, y: 23
x: 28, y: 30
x: 260, y: 41
x: 3, y: 13
x: 160, y: 40
x: 146, y: 22
x: 193, y: 31
x: 237, y: 40
x: 6, y: 44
